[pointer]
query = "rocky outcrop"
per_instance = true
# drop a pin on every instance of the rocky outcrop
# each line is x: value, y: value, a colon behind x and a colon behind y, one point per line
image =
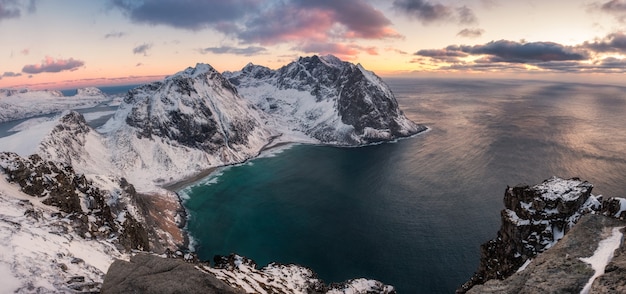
x: 197, y: 108
x: 560, y: 268
x: 328, y: 99
x: 535, y: 218
x: 92, y: 212
x: 146, y: 273
x: 230, y: 274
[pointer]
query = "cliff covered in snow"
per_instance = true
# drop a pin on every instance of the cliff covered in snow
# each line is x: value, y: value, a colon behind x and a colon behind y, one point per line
x: 329, y: 100
x: 534, y: 220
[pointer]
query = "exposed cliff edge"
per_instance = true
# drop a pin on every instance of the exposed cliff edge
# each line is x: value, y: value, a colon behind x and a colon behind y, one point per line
x: 534, y: 221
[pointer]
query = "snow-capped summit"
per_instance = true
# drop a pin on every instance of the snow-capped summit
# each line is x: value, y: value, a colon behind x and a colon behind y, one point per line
x: 330, y: 100
x: 193, y: 120
x: 90, y: 91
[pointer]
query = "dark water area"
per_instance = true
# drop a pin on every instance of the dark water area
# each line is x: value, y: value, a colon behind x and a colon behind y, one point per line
x: 109, y: 90
x: 414, y: 213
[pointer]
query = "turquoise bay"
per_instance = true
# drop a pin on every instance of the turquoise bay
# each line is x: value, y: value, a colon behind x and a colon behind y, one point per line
x: 413, y: 213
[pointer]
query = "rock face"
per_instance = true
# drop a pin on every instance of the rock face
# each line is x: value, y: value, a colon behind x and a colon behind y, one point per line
x: 146, y: 273
x: 191, y: 121
x: 534, y: 219
x: 230, y: 274
x: 327, y: 99
x: 560, y: 268
x: 93, y: 212
x: 197, y: 108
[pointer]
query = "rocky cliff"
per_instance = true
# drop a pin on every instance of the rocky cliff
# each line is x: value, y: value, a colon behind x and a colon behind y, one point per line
x: 534, y: 220
x: 327, y: 99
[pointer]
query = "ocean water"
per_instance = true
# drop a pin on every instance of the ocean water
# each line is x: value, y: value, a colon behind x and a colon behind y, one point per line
x: 413, y: 213
x: 109, y: 90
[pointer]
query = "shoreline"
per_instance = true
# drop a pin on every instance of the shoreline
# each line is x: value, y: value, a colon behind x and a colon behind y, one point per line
x: 186, y: 182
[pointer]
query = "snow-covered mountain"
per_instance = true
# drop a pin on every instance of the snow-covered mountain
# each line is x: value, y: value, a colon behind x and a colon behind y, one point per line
x: 17, y: 104
x: 170, y: 130
x: 327, y: 99
x: 104, y: 186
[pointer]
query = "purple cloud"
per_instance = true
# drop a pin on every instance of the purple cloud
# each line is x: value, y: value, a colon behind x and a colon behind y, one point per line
x: 248, y: 51
x: 470, y: 33
x: 315, y: 21
x: 268, y: 22
x: 466, y: 16
x: 615, y: 42
x: 11, y: 74
x: 341, y: 50
x: 9, y: 9
x: 517, y: 52
x: 430, y: 12
x: 190, y: 15
x: 51, y: 65
x: 13, y: 8
x: 615, y: 7
x: 142, y: 49
x: 114, y: 35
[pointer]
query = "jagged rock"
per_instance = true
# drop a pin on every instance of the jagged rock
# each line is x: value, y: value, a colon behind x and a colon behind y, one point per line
x: 197, y: 108
x: 560, y: 270
x: 241, y: 272
x: 60, y: 186
x: 534, y: 219
x: 328, y: 99
x: 614, y: 207
x: 146, y: 273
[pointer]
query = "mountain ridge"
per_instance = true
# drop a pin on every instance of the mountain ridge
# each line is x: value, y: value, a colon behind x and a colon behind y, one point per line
x: 172, y: 129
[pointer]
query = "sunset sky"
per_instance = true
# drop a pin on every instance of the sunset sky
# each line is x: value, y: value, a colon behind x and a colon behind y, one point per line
x: 73, y: 43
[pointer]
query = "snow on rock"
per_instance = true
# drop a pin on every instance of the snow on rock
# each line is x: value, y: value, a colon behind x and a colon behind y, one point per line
x: 534, y: 219
x: 602, y: 256
x: 241, y: 272
x: 17, y: 104
x: 167, y: 131
x: 326, y: 99
x: 42, y: 250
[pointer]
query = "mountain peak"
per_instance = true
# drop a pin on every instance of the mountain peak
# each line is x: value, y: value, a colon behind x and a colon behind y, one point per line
x: 331, y: 60
x: 198, y: 70
x: 90, y: 91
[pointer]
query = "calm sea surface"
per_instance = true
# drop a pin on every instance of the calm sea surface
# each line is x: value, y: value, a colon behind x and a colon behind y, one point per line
x: 413, y: 213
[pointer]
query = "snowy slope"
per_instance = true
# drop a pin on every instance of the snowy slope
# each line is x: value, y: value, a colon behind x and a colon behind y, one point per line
x: 241, y: 272
x: 58, y: 230
x: 193, y: 120
x: 328, y: 100
x: 17, y: 104
x: 39, y: 255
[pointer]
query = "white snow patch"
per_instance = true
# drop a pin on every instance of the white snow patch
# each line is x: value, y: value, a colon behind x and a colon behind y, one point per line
x: 10, y: 284
x: 602, y: 256
x: 622, y: 203
x: 91, y: 116
x: 27, y: 140
x: 524, y: 266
